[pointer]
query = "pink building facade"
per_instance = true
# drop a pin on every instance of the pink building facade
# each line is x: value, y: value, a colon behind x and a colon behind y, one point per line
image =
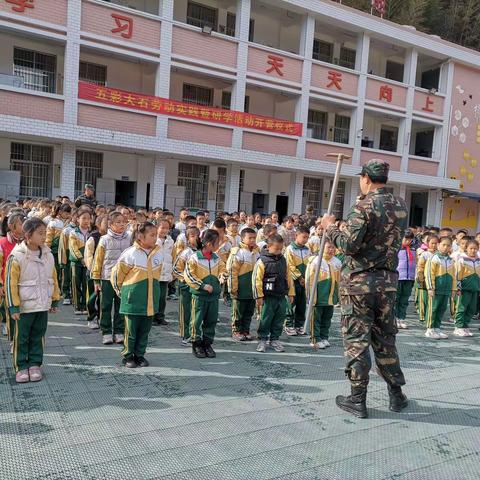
x: 263, y: 91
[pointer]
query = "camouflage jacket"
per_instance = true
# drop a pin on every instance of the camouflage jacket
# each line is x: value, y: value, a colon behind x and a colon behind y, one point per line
x: 84, y: 200
x: 371, y: 241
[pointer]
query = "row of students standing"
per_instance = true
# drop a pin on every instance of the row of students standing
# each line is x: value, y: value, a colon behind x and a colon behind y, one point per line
x: 126, y: 285
x: 445, y: 281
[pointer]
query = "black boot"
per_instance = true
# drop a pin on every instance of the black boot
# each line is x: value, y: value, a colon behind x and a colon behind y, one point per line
x: 198, y: 350
x: 209, y: 351
x: 356, y: 403
x: 398, y: 400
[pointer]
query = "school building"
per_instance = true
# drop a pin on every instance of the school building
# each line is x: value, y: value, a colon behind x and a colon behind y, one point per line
x: 234, y: 104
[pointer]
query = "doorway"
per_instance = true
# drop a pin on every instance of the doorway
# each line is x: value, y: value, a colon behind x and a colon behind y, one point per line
x: 125, y: 192
x: 281, y: 206
x: 259, y: 203
x: 418, y: 209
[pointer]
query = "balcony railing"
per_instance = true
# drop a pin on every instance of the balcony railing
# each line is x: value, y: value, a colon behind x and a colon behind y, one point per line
x: 12, y: 80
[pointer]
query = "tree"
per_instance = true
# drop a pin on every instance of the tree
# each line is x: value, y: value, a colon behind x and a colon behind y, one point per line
x: 453, y: 20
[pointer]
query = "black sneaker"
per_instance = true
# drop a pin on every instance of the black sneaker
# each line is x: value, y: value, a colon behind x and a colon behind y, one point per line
x: 209, y: 351
x: 142, y: 362
x: 198, y: 350
x: 129, y: 362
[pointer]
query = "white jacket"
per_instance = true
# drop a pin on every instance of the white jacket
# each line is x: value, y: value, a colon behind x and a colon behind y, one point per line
x: 31, y: 280
x: 166, y: 247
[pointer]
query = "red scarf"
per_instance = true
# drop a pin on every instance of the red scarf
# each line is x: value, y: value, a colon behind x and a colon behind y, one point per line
x: 409, y: 252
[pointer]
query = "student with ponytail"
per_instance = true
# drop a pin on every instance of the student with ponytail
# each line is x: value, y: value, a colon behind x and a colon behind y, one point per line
x: 202, y: 273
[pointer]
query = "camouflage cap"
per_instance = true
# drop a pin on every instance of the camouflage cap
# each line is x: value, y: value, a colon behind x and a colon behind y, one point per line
x: 89, y: 186
x: 375, y: 168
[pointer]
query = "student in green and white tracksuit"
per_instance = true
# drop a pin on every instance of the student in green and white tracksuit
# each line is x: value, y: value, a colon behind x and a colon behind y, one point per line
x: 468, y: 278
x: 441, y: 286
x: 240, y: 269
x: 202, y: 274
x: 297, y: 255
x: 326, y: 294
x: 185, y: 297
x: 136, y: 279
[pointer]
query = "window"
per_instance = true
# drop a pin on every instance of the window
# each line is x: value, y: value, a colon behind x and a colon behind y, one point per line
x: 195, y: 180
x: 312, y: 194
x: 348, y: 57
x: 394, y: 71
x: 322, y: 51
x: 339, y: 200
x: 341, y: 132
x: 251, y: 30
x: 198, y: 95
x: 430, y: 79
x: 227, y: 101
x: 38, y: 70
x: 388, y: 138
x: 88, y: 167
x: 90, y: 72
x: 35, y: 165
x: 317, y: 123
x: 424, y: 143
x: 230, y: 28
x: 221, y: 188
x: 201, y: 15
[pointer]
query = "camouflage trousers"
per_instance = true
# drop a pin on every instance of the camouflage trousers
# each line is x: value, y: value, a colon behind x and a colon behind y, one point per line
x: 368, y: 320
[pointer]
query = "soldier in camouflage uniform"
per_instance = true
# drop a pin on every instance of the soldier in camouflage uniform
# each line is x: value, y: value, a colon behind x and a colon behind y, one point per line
x: 87, y: 198
x: 371, y: 241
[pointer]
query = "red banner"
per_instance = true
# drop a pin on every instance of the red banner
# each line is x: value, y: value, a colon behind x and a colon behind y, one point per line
x: 164, y: 106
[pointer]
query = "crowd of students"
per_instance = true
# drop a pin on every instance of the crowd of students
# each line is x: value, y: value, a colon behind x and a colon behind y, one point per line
x: 118, y: 267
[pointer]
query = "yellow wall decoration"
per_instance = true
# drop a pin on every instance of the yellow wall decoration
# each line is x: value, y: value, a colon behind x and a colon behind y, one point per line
x: 460, y: 213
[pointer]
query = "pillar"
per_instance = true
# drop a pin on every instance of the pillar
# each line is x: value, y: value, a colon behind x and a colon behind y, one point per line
x: 242, y: 28
x: 158, y: 183
x: 162, y: 79
x: 296, y: 193
x: 406, y: 135
x: 434, y: 209
x: 67, y: 180
x: 363, y: 47
x: 303, y: 102
x: 72, y: 62
x: 232, y: 190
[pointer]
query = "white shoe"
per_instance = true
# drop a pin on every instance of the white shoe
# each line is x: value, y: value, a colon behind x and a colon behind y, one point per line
x: 319, y: 345
x: 93, y: 325
x: 262, y: 346
x: 440, y: 334
x: 460, y: 332
x: 277, y: 346
x: 469, y: 332
x: 402, y: 325
x: 67, y: 301
x: 290, y: 331
x: 119, y: 338
x: 431, y: 333
x: 107, y: 339
x: 326, y: 343
x: 78, y: 312
x: 301, y: 331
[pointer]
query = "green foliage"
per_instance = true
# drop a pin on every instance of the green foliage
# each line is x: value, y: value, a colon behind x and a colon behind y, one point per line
x: 455, y: 20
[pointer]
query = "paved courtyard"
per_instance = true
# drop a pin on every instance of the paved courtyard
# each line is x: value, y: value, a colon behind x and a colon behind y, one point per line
x: 243, y: 415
